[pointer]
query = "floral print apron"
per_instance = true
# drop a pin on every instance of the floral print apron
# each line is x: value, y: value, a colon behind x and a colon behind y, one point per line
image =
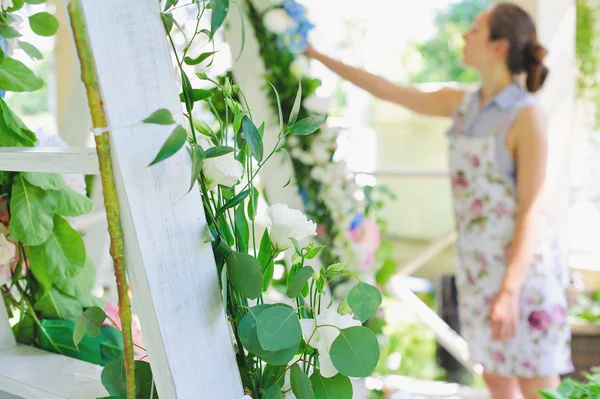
x: 485, y: 206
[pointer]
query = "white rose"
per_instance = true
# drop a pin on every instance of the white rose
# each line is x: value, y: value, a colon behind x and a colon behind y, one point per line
x: 316, y: 104
x: 278, y: 21
x: 224, y: 170
x: 323, y: 337
x: 300, y: 67
x: 4, y: 4
x: 288, y: 223
x: 7, y: 254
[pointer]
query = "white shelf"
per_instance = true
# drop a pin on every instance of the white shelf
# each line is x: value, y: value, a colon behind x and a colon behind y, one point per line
x: 35, y: 374
x: 51, y: 160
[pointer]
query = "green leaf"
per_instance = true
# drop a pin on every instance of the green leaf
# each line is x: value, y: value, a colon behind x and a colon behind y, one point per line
x: 313, y: 252
x: 308, y: 125
x: 94, y: 319
x: 552, y: 395
x: 301, y: 385
x: 31, y: 50
x: 219, y: 151
x: 204, y: 129
x: 253, y: 203
x: 278, y: 328
x: 338, y: 387
x: 68, y: 202
x: 237, y: 121
x: 244, y: 274
x: 280, y: 112
x: 335, y: 268
x: 282, y: 357
x: 45, y: 181
x: 296, y: 106
x: 176, y: 140
x: 242, y: 231
x: 189, y: 92
x: 168, y: 22
x: 161, y: 117
x: 79, y: 285
x: 274, y: 392
x: 170, y: 3
x: 89, y: 300
x: 355, y: 352
x: 56, y: 305
x: 219, y: 12
x: 43, y: 24
x: 9, y: 32
x: 253, y: 138
x: 265, y: 258
x: 297, y: 246
x: 60, y: 333
x: 238, y: 199
x: 17, y: 5
x: 299, y: 281
x: 199, y: 59
x: 79, y: 331
x: 344, y: 308
x: 144, y: 381
x: 35, y: 1
x: 248, y: 333
x: 288, y: 161
x: 31, y: 221
x: 113, y: 378
x: 14, y: 131
x: 364, y: 299
x: 15, y: 76
x: 61, y: 257
x: 198, y: 157
x: 197, y: 95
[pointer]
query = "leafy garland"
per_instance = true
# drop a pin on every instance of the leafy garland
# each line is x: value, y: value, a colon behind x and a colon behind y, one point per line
x: 301, y: 346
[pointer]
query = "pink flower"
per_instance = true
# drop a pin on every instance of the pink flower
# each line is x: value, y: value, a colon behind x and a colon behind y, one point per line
x: 458, y: 180
x: 539, y: 320
x: 320, y: 231
x: 112, y: 311
x: 498, y: 357
x: 368, y: 237
x: 526, y: 364
x: 476, y: 208
x: 474, y: 161
x: 501, y: 210
x: 471, y: 279
x: 559, y: 314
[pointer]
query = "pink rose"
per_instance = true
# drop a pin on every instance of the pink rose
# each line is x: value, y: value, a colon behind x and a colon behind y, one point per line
x: 474, y: 161
x: 471, y: 279
x: 459, y: 180
x: 501, y: 210
x: 539, y: 320
x: 112, y: 311
x: 477, y: 208
x: 320, y: 231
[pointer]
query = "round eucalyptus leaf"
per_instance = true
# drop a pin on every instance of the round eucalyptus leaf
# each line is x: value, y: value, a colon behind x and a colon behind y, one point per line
x: 301, y: 383
x: 278, y: 328
x: 364, y: 300
x: 338, y: 387
x: 248, y: 334
x: 355, y: 352
x: 43, y: 24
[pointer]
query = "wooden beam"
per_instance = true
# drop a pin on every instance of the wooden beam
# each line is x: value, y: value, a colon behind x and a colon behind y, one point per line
x: 51, y: 160
x: 430, y: 252
x: 31, y: 373
x: 170, y: 265
x: 446, y: 336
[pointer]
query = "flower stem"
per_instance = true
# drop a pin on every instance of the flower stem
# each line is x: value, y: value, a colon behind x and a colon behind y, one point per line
x: 111, y: 203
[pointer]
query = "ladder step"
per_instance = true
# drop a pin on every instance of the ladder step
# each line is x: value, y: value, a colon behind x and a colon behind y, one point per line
x: 51, y: 160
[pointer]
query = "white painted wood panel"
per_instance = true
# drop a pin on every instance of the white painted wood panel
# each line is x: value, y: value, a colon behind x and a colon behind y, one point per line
x: 172, y: 271
x: 52, y: 160
x: 7, y: 338
x: 31, y: 373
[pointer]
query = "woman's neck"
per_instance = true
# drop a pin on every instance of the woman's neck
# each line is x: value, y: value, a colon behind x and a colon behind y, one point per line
x: 494, y: 80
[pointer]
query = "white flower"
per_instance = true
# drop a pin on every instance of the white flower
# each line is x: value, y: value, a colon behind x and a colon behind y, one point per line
x: 316, y: 104
x: 288, y: 223
x: 321, y: 154
x: 264, y: 5
x: 278, y: 21
x: 300, y: 67
x: 224, y: 170
x: 322, y: 338
x: 4, y: 4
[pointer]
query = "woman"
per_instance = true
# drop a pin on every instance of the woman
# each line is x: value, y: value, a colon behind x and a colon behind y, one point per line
x: 512, y: 301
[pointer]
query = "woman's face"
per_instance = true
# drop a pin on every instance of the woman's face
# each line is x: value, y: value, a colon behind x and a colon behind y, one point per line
x: 479, y: 50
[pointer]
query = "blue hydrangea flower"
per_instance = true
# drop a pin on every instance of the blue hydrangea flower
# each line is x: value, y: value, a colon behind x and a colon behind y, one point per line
x: 304, y: 27
x: 294, y: 10
x: 357, y: 221
x: 293, y: 41
x: 303, y: 195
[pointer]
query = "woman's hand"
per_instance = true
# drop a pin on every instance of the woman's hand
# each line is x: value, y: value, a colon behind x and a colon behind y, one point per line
x: 504, y: 317
x: 311, y: 52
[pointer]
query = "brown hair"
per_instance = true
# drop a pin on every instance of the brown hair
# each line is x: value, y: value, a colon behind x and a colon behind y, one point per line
x: 525, y: 54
